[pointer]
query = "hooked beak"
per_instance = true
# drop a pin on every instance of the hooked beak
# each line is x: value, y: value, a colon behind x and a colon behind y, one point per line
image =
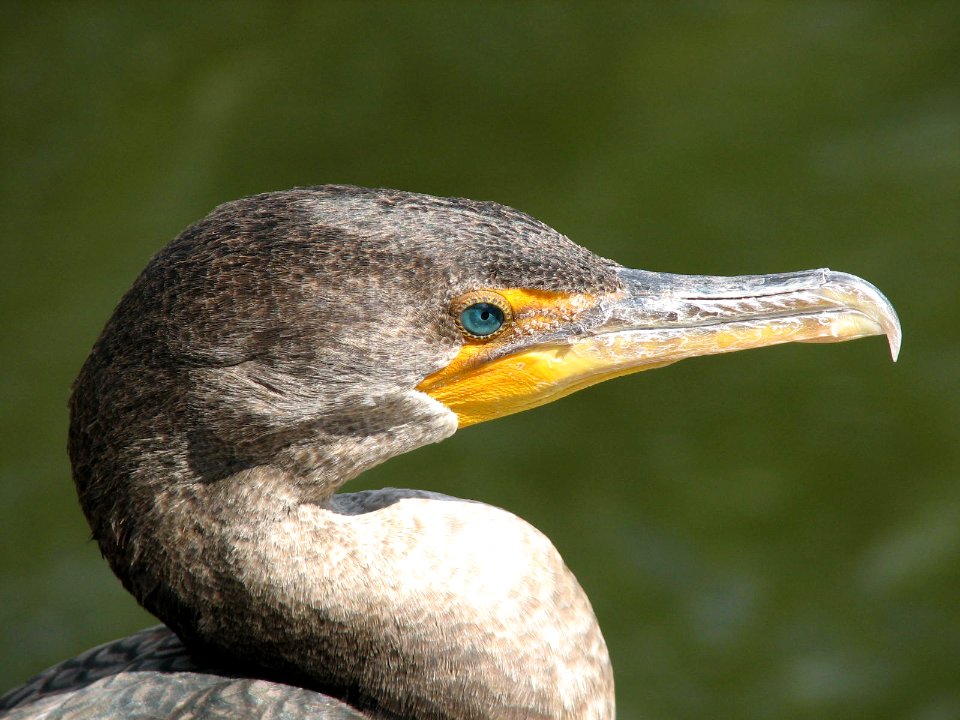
x: 655, y: 319
x: 664, y: 318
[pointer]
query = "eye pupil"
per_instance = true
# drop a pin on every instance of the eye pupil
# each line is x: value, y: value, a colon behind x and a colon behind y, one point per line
x: 481, y: 319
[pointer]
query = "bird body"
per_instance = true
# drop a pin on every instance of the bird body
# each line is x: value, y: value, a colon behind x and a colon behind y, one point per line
x: 290, y: 341
x: 151, y: 675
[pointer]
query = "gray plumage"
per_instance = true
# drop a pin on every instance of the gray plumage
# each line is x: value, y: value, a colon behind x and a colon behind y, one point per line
x: 261, y: 360
x: 150, y: 675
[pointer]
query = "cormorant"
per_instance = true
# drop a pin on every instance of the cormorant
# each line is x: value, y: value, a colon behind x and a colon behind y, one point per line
x: 288, y: 342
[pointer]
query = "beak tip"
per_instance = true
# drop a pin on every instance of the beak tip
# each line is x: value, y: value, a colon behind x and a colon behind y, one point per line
x: 890, y: 324
x: 867, y: 299
x: 894, y: 337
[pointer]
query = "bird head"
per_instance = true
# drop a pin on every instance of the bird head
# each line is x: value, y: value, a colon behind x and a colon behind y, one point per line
x: 320, y: 331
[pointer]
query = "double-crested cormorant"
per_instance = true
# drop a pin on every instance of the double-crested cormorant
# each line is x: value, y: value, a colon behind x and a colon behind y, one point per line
x: 288, y: 342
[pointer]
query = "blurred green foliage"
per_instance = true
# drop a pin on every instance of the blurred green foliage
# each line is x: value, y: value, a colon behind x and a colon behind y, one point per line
x: 764, y: 535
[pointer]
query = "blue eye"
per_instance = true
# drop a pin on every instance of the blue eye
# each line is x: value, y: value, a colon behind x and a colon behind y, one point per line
x: 481, y: 314
x: 482, y: 319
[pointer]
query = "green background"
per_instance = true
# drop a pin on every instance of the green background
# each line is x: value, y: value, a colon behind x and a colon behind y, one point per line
x: 771, y: 534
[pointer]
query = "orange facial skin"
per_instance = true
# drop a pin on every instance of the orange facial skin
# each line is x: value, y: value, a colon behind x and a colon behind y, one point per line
x: 479, y: 385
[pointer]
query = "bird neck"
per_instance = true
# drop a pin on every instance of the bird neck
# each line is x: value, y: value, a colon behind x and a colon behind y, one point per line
x: 407, y: 603
x: 217, y: 511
